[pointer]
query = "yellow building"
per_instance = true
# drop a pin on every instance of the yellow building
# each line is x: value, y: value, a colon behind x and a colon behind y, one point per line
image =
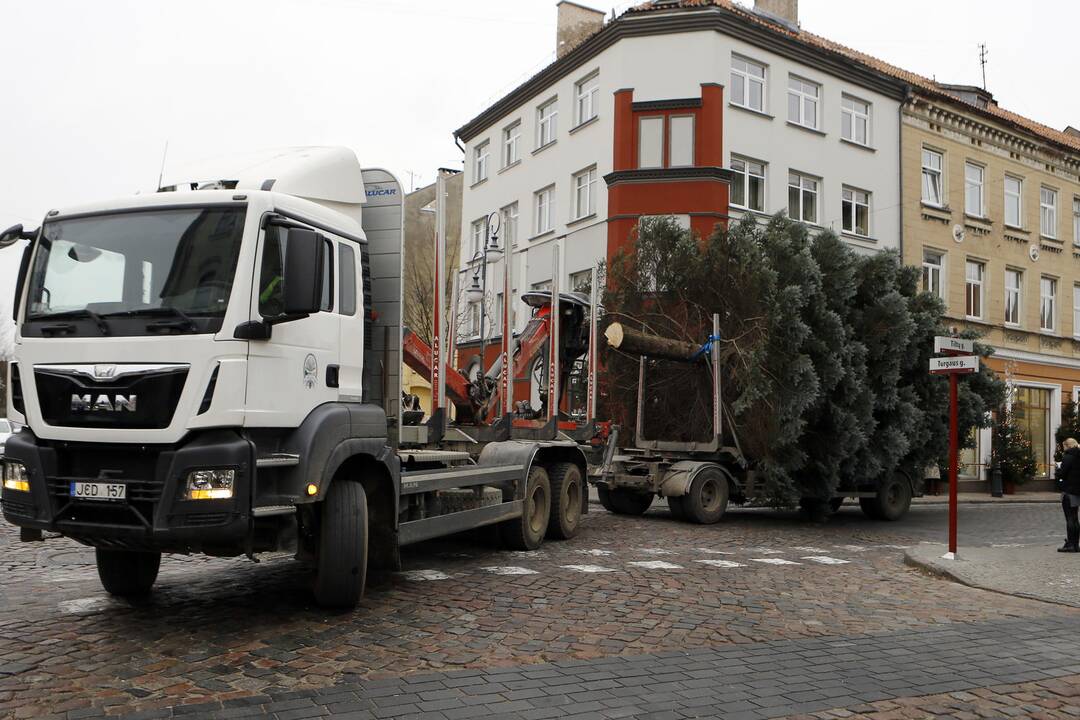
x: 992, y: 215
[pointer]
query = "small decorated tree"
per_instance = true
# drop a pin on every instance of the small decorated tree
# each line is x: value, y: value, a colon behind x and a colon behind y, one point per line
x: 1069, y: 427
x: 1011, y: 451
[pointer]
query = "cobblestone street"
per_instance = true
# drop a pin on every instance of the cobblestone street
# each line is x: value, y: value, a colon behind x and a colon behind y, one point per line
x: 762, y: 615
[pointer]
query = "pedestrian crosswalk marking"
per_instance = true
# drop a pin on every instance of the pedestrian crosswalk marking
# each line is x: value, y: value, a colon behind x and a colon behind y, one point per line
x: 765, y: 551
x: 509, y: 570
x: 721, y: 563
x: 424, y: 575
x: 710, y: 551
x: 807, y: 548
x: 775, y: 561
x: 826, y: 560
x: 654, y: 551
x: 588, y: 568
x: 597, y: 553
x: 656, y: 565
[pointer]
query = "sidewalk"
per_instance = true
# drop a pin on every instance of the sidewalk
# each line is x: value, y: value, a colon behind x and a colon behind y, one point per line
x: 978, y: 498
x: 1038, y: 572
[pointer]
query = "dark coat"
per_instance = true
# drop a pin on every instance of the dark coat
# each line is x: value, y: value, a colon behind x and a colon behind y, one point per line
x: 1068, y: 475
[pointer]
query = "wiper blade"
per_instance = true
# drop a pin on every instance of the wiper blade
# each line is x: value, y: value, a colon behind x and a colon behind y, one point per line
x: 99, y: 320
x: 185, y: 320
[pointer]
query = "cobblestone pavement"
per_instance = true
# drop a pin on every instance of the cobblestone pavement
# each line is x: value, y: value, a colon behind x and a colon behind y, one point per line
x: 246, y: 639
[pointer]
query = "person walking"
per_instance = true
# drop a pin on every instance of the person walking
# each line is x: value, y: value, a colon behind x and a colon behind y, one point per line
x: 1068, y: 478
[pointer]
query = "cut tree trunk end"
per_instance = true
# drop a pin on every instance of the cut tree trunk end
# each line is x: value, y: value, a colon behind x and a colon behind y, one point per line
x: 633, y: 341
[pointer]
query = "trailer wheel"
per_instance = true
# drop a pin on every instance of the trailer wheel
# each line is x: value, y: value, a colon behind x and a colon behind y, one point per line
x: 892, y: 501
x: 527, y: 532
x: 624, y: 502
x: 341, y: 567
x: 566, y: 499
x: 706, y: 500
x: 675, y: 505
x: 127, y: 573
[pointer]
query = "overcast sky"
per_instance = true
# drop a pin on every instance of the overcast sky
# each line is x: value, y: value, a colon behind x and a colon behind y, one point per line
x: 92, y: 91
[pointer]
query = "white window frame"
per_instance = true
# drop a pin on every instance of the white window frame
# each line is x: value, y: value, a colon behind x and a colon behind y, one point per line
x: 979, y: 283
x: 1076, y: 310
x: 928, y: 170
x: 547, y: 123
x: 584, y: 180
x: 802, y: 186
x: 481, y: 157
x: 512, y: 144
x: 848, y: 108
x: 473, y: 330
x: 581, y: 277
x: 803, y: 96
x: 1014, y: 297
x: 477, y: 236
x: 743, y: 178
x: 509, y: 223
x: 1076, y: 221
x: 1048, y: 303
x: 1048, y: 212
x: 934, y: 273
x: 749, y: 79
x: 1017, y: 197
x: 969, y: 186
x: 587, y: 97
x: 641, y: 140
x: 544, y: 210
x: 670, y: 123
x: 853, y: 193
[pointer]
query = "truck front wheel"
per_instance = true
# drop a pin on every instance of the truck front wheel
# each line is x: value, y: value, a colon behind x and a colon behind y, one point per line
x: 341, y: 567
x: 706, y: 500
x: 527, y: 532
x: 566, y: 498
x: 127, y: 573
x: 892, y: 501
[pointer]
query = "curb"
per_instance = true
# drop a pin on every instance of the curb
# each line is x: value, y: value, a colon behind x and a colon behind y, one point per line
x: 946, y: 574
x: 1023, y: 501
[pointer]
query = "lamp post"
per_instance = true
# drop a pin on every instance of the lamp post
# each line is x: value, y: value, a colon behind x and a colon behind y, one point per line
x: 477, y: 292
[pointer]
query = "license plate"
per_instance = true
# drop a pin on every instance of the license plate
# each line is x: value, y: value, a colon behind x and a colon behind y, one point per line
x: 98, y: 491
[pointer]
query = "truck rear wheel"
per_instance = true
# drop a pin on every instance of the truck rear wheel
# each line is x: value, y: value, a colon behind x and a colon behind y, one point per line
x: 624, y: 502
x: 527, y: 532
x: 567, y: 490
x: 341, y: 567
x: 892, y: 501
x: 127, y: 573
x: 706, y: 500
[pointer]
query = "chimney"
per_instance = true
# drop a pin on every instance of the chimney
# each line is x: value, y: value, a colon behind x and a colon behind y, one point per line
x: 576, y: 22
x: 1072, y: 132
x: 786, y: 11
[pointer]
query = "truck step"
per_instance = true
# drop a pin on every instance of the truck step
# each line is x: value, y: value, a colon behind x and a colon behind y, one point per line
x: 278, y: 460
x: 426, y: 456
x: 268, y: 510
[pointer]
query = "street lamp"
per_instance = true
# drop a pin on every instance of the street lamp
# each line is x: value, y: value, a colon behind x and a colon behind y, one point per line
x: 477, y: 292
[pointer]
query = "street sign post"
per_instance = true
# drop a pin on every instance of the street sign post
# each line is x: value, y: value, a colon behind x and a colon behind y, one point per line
x: 954, y: 366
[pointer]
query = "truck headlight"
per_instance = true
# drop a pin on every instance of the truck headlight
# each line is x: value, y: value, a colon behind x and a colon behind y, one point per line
x: 211, y: 484
x: 15, y: 476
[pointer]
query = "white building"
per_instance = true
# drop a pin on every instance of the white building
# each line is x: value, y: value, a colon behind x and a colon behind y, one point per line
x: 655, y: 112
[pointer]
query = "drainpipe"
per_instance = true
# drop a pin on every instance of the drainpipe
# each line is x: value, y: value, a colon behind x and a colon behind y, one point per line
x: 908, y: 95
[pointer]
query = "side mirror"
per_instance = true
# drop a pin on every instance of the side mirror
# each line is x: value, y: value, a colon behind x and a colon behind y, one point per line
x: 14, y: 234
x: 303, y: 272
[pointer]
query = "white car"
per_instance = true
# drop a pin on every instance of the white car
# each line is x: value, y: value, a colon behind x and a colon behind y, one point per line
x: 6, y: 428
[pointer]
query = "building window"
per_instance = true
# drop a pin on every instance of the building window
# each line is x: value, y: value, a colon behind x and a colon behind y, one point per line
x: 1013, y: 294
x: 748, y: 184
x: 1048, y: 212
x: 1076, y: 221
x: 581, y: 281
x: 932, y: 163
x: 975, y: 273
x: 973, y: 189
x: 855, y: 120
x: 803, y: 102
x: 747, y: 84
x: 480, y: 162
x: 651, y: 142
x: 512, y: 144
x: 1014, y: 203
x: 933, y: 273
x: 547, y: 123
x: 1048, y: 304
x: 545, y: 210
x: 1076, y: 311
x: 856, y: 211
x: 585, y: 193
x: 510, y: 225
x: 472, y: 325
x: 587, y: 92
x: 681, y: 141
x: 1031, y: 411
x: 802, y: 198
x: 476, y: 237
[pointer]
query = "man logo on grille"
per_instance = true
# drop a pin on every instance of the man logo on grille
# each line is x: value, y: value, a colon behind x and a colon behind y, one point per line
x: 118, y: 403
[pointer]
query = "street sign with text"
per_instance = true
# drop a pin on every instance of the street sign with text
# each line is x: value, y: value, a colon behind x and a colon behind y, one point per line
x: 953, y: 346
x: 954, y: 365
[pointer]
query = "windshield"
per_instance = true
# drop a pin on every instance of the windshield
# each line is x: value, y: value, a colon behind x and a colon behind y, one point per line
x: 137, y: 272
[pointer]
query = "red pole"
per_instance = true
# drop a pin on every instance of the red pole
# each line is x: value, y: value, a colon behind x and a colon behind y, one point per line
x: 953, y: 451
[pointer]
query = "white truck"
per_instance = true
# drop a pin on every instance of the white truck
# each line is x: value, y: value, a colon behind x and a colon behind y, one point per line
x: 214, y: 368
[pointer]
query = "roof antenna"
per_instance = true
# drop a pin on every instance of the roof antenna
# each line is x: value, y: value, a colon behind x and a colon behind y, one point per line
x: 161, y: 173
x: 982, y: 61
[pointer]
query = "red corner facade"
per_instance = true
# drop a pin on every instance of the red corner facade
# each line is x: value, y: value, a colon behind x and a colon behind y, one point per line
x: 654, y: 177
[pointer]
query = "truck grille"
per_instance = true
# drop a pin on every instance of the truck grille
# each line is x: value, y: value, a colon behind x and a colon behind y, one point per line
x: 156, y: 392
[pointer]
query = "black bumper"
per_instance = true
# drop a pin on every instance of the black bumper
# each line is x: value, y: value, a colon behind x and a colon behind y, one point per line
x: 155, y: 515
